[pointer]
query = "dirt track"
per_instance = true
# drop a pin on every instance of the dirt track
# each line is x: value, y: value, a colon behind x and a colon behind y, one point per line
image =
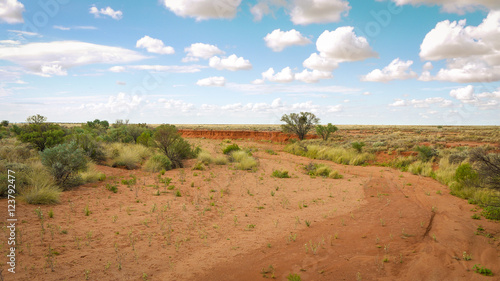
x: 371, y: 215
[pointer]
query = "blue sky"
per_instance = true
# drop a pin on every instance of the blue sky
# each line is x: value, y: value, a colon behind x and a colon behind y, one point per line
x: 249, y: 62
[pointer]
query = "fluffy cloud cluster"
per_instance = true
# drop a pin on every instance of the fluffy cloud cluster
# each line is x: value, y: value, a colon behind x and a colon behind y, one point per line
x: 304, y: 12
x: 279, y: 40
x: 318, y: 11
x: 121, y: 103
x: 11, y: 11
x: 212, y: 81
x: 317, y: 62
x: 203, y: 9
x: 472, y: 53
x: 342, y: 44
x: 108, y: 11
x: 232, y: 63
x: 54, y: 58
x: 396, y: 70
x: 286, y: 75
x: 201, y: 50
x: 153, y: 45
x: 454, y: 6
x: 423, y: 103
x: 159, y: 68
x: 484, y: 100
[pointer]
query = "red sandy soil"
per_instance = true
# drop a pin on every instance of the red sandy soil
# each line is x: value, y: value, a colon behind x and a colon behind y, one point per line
x: 372, y: 214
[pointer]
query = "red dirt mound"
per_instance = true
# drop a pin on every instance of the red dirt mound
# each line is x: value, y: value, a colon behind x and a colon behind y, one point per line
x: 250, y: 135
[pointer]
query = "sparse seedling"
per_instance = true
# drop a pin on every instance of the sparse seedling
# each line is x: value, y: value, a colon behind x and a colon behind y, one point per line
x: 482, y: 270
x: 466, y: 257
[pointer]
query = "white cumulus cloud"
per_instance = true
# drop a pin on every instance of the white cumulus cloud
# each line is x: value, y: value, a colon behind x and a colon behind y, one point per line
x: 108, y: 11
x: 312, y: 76
x: 201, y: 50
x: 279, y: 40
x: 153, y: 45
x: 454, y: 6
x: 203, y: 9
x: 342, y: 44
x: 232, y: 63
x: 396, y: 70
x: 472, y: 53
x: 317, y: 62
x: 54, y: 58
x: 212, y: 81
x: 318, y: 11
x: 11, y: 11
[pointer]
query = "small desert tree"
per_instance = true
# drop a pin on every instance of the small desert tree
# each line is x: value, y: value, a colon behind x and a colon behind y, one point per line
x: 170, y: 142
x: 325, y: 131
x: 299, y: 124
x: 42, y: 135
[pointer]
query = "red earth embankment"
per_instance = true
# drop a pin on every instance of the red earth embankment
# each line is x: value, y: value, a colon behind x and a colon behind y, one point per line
x: 247, y: 135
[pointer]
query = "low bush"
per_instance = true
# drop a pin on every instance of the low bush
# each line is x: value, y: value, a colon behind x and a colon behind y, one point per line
x: 220, y: 160
x: 336, y: 154
x: 41, y: 188
x: 244, y: 161
x: 64, y: 161
x: 425, y: 153
x: 91, y: 174
x: 491, y: 212
x: 402, y: 163
x: 358, y: 146
x: 280, y: 174
x: 322, y: 170
x: 205, y: 158
x: 157, y: 163
x: 199, y: 166
x: 230, y: 148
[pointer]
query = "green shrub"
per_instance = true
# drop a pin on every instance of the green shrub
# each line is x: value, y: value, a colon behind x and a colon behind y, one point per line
x: 358, y: 146
x: 487, y: 167
x: 425, y: 153
x: 111, y: 187
x: 92, y: 148
x: 325, y: 131
x: 280, y: 174
x: 402, y: 163
x: 466, y: 175
x: 157, y: 163
x: 230, y: 148
x: 491, y: 212
x: 146, y: 138
x: 482, y: 270
x: 322, y: 170
x: 5, y: 123
x: 170, y: 142
x: 64, y: 161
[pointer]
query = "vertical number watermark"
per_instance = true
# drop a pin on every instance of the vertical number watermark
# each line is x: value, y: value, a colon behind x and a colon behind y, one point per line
x: 11, y: 221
